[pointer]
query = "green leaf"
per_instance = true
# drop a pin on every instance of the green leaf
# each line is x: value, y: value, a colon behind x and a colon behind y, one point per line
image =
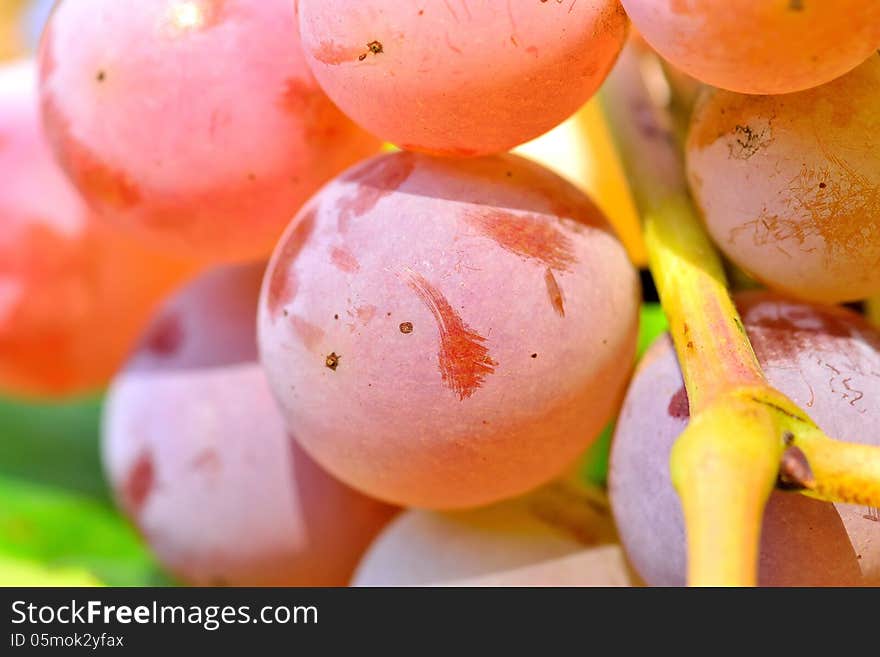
x: 56, y: 529
x: 652, y: 324
x: 54, y: 444
x: 21, y: 572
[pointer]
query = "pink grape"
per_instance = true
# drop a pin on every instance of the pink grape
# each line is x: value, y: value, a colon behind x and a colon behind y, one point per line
x: 552, y: 537
x: 462, y: 77
x: 789, y: 184
x: 201, y: 461
x: 447, y: 333
x: 194, y: 124
x: 826, y: 360
x: 760, y: 46
x: 74, y: 295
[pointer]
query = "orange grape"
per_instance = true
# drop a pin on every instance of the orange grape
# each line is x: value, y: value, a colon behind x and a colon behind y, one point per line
x: 760, y: 46
x: 790, y: 185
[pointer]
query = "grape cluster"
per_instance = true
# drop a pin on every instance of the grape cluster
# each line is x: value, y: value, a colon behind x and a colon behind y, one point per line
x: 302, y: 334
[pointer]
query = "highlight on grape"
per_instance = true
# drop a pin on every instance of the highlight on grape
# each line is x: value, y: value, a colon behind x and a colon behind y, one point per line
x: 460, y: 293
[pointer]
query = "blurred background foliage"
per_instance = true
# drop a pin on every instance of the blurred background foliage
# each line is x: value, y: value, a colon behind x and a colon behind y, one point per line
x: 58, y: 523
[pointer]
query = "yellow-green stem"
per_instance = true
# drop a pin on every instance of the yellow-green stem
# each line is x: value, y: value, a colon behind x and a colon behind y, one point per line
x: 842, y: 472
x: 743, y: 434
x: 724, y: 474
x: 725, y: 463
x: 713, y: 349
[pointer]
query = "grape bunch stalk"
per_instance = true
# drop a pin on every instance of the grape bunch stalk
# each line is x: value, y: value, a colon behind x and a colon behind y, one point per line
x: 745, y: 438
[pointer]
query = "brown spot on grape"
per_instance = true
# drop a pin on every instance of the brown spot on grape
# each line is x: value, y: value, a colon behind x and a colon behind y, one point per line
x: 724, y: 112
x: 283, y: 282
x: 747, y: 141
x: 375, y: 47
x: 139, y: 483
x: 406, y: 328
x: 464, y: 359
x: 310, y: 334
x: 679, y: 406
x: 165, y: 336
x: 372, y: 183
x: 534, y: 355
x: 344, y: 260
x: 529, y: 236
x: 101, y: 76
x: 555, y: 293
x: 332, y: 361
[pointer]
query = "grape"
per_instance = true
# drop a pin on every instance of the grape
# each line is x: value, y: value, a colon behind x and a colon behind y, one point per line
x: 552, y: 537
x: 790, y: 185
x: 73, y: 294
x: 193, y: 123
x: 447, y: 333
x: 462, y: 77
x: 760, y: 46
x: 200, y: 459
x: 825, y: 359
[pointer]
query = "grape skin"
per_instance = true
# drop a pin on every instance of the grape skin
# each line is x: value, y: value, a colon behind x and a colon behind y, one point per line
x: 199, y: 457
x: 523, y: 308
x: 194, y: 124
x: 826, y: 360
x: 760, y: 46
x: 74, y: 295
x: 549, y: 538
x: 463, y: 77
x: 790, y: 185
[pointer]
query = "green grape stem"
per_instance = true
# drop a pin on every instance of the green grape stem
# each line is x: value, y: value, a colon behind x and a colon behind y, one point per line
x: 744, y: 437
